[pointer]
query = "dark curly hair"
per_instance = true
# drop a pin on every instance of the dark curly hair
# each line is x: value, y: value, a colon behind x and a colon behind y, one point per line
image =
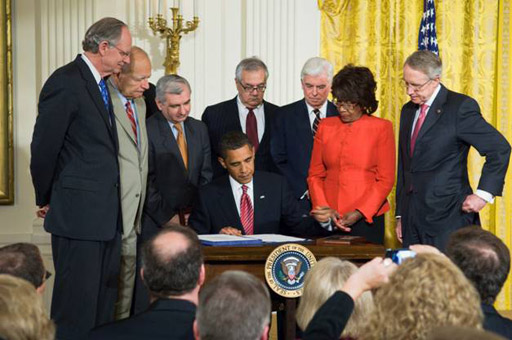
x: 355, y: 84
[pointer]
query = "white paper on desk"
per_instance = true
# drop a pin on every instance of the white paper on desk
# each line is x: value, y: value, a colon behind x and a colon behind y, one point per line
x: 222, y: 238
x: 275, y: 238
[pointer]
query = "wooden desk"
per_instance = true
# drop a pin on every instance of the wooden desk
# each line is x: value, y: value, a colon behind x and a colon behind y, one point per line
x: 252, y: 260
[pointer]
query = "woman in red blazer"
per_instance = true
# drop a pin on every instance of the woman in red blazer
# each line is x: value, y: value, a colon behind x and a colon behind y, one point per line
x: 352, y: 168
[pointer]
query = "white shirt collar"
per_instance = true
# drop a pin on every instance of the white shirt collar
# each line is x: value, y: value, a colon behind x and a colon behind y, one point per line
x: 243, y: 108
x: 323, y: 109
x: 93, y: 69
x: 433, y: 96
x: 238, y: 186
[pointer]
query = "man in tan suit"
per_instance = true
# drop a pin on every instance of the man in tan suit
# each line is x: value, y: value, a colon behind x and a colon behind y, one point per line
x: 126, y: 90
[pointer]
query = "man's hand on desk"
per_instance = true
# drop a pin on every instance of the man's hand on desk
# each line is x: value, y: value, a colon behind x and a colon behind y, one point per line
x: 230, y: 231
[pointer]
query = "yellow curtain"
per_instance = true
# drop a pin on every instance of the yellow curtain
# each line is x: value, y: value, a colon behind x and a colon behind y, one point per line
x: 475, y: 46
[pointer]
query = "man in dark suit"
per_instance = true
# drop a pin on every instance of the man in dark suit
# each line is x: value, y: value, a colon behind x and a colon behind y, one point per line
x: 295, y: 126
x: 437, y: 128
x: 173, y: 272
x: 179, y: 162
x: 235, y: 305
x: 245, y: 204
x: 485, y: 260
x: 75, y: 173
x: 247, y: 112
x: 179, y: 155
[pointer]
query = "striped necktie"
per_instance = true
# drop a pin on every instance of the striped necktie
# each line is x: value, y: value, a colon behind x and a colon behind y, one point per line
x: 246, y: 212
x: 316, y: 121
x: 131, y: 118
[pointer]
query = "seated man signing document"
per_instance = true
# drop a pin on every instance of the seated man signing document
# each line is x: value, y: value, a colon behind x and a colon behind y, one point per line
x: 246, y: 202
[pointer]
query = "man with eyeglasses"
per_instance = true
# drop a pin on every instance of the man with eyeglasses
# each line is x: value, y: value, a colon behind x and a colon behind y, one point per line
x: 295, y: 126
x: 127, y: 88
x: 75, y: 172
x: 247, y: 112
x: 437, y: 129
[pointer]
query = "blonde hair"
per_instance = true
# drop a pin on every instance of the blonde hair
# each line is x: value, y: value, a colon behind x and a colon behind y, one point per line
x: 424, y: 293
x: 323, y: 280
x: 22, y: 313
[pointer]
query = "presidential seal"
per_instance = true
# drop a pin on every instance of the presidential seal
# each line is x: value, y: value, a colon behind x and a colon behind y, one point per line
x: 286, y: 267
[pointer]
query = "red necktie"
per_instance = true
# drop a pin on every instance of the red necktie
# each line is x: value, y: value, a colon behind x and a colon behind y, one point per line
x: 316, y: 121
x: 417, y: 127
x: 131, y: 117
x: 246, y: 212
x: 251, y: 129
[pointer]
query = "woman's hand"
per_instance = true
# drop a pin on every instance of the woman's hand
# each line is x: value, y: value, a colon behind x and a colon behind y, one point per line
x: 350, y: 218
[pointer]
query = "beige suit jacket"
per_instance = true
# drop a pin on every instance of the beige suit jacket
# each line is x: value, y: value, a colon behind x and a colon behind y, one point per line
x: 133, y: 161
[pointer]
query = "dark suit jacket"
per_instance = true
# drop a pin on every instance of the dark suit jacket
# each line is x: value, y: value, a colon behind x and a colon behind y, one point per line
x: 223, y: 117
x: 291, y: 143
x: 434, y: 181
x: 496, y: 323
x: 275, y: 209
x: 331, y: 318
x: 74, y: 156
x: 149, y: 99
x: 171, y: 186
x: 165, y: 319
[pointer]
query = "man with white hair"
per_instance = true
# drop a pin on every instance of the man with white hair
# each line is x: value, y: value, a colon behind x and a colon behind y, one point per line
x: 296, y: 123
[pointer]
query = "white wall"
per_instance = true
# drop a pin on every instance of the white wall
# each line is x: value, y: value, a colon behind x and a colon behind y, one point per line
x: 48, y: 33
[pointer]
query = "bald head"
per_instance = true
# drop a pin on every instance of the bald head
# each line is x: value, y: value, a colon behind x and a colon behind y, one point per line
x: 134, y: 77
x: 172, y: 262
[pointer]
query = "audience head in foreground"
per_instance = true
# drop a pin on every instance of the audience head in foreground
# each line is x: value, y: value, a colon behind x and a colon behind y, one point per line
x: 323, y: 280
x: 482, y: 257
x: 173, y: 271
x: 425, y: 292
x: 172, y: 264
x: 24, y: 260
x: 485, y: 260
x: 235, y: 305
x: 22, y: 313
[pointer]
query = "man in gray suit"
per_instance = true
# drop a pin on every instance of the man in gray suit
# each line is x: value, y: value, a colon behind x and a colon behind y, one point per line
x: 179, y: 160
x: 127, y: 88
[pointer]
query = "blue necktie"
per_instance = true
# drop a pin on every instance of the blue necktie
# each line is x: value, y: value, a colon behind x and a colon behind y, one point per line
x: 105, y: 95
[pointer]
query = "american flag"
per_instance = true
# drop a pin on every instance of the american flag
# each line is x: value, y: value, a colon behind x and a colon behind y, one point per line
x: 427, y: 38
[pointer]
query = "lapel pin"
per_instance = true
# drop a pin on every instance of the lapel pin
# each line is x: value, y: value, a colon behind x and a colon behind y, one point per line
x: 438, y: 111
x: 262, y: 197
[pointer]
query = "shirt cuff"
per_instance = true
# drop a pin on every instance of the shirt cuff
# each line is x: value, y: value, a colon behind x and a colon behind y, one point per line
x: 486, y: 196
x: 327, y: 225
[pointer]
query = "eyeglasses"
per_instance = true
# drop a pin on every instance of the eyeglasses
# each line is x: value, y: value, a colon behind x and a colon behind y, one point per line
x: 345, y: 105
x: 121, y: 52
x: 414, y: 87
x: 250, y: 88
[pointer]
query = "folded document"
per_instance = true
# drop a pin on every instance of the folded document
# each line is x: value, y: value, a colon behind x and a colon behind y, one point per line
x: 232, y: 240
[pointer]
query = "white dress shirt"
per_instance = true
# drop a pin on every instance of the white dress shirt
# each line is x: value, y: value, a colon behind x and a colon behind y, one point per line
x: 243, y: 111
x: 236, y: 188
x: 312, y: 115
